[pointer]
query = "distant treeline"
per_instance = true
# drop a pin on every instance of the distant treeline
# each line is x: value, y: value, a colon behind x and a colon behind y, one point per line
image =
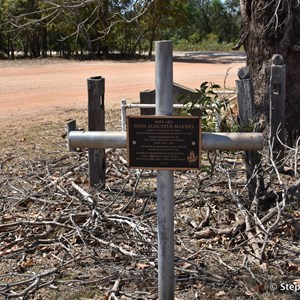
x: 101, y: 28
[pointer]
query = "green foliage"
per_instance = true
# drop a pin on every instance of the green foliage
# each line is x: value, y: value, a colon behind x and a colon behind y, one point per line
x: 211, y: 108
x: 36, y: 27
x: 215, y: 113
x: 210, y: 43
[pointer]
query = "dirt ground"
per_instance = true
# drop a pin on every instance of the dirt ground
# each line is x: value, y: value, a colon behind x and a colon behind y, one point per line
x: 35, y: 87
x: 61, y: 239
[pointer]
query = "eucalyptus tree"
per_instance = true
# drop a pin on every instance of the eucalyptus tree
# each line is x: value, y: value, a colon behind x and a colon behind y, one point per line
x: 214, y: 17
x: 87, y: 22
x: 29, y: 38
x: 103, y: 25
x: 3, y: 36
x: 163, y: 18
x: 224, y: 20
x: 267, y: 28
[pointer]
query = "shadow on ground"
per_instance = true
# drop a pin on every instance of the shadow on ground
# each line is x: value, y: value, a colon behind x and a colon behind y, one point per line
x: 210, y: 57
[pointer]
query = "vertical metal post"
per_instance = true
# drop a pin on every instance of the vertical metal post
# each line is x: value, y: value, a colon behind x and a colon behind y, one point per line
x: 165, y: 178
x: 123, y: 114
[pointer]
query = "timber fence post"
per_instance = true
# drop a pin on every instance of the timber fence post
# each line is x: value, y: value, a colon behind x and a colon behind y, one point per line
x: 71, y: 126
x: 147, y: 97
x: 247, y: 115
x: 277, y: 109
x: 96, y: 122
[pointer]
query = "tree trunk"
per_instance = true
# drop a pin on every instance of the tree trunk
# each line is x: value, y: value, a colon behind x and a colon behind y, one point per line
x: 272, y: 27
x: 11, y: 50
x: 35, y: 45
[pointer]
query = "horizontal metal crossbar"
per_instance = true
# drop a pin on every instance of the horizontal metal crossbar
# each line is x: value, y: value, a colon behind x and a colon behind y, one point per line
x: 209, y: 141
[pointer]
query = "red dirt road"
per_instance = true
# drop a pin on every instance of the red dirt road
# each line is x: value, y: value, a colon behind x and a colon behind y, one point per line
x: 41, y: 86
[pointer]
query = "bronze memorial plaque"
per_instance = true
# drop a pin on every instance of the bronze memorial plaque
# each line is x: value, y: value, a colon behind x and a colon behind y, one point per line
x: 163, y: 142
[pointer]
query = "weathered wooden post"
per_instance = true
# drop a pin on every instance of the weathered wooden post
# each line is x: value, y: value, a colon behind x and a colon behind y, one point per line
x: 71, y: 126
x: 180, y: 94
x: 147, y: 97
x: 245, y: 99
x: 247, y: 114
x: 96, y: 122
x: 277, y: 109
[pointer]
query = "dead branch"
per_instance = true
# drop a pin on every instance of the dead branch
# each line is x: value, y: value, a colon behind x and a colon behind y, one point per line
x: 62, y: 227
x: 55, y: 10
x: 34, y: 283
x: 115, y: 290
x: 252, y: 239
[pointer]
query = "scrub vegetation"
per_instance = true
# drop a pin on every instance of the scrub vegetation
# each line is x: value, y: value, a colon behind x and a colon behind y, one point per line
x: 91, y: 29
